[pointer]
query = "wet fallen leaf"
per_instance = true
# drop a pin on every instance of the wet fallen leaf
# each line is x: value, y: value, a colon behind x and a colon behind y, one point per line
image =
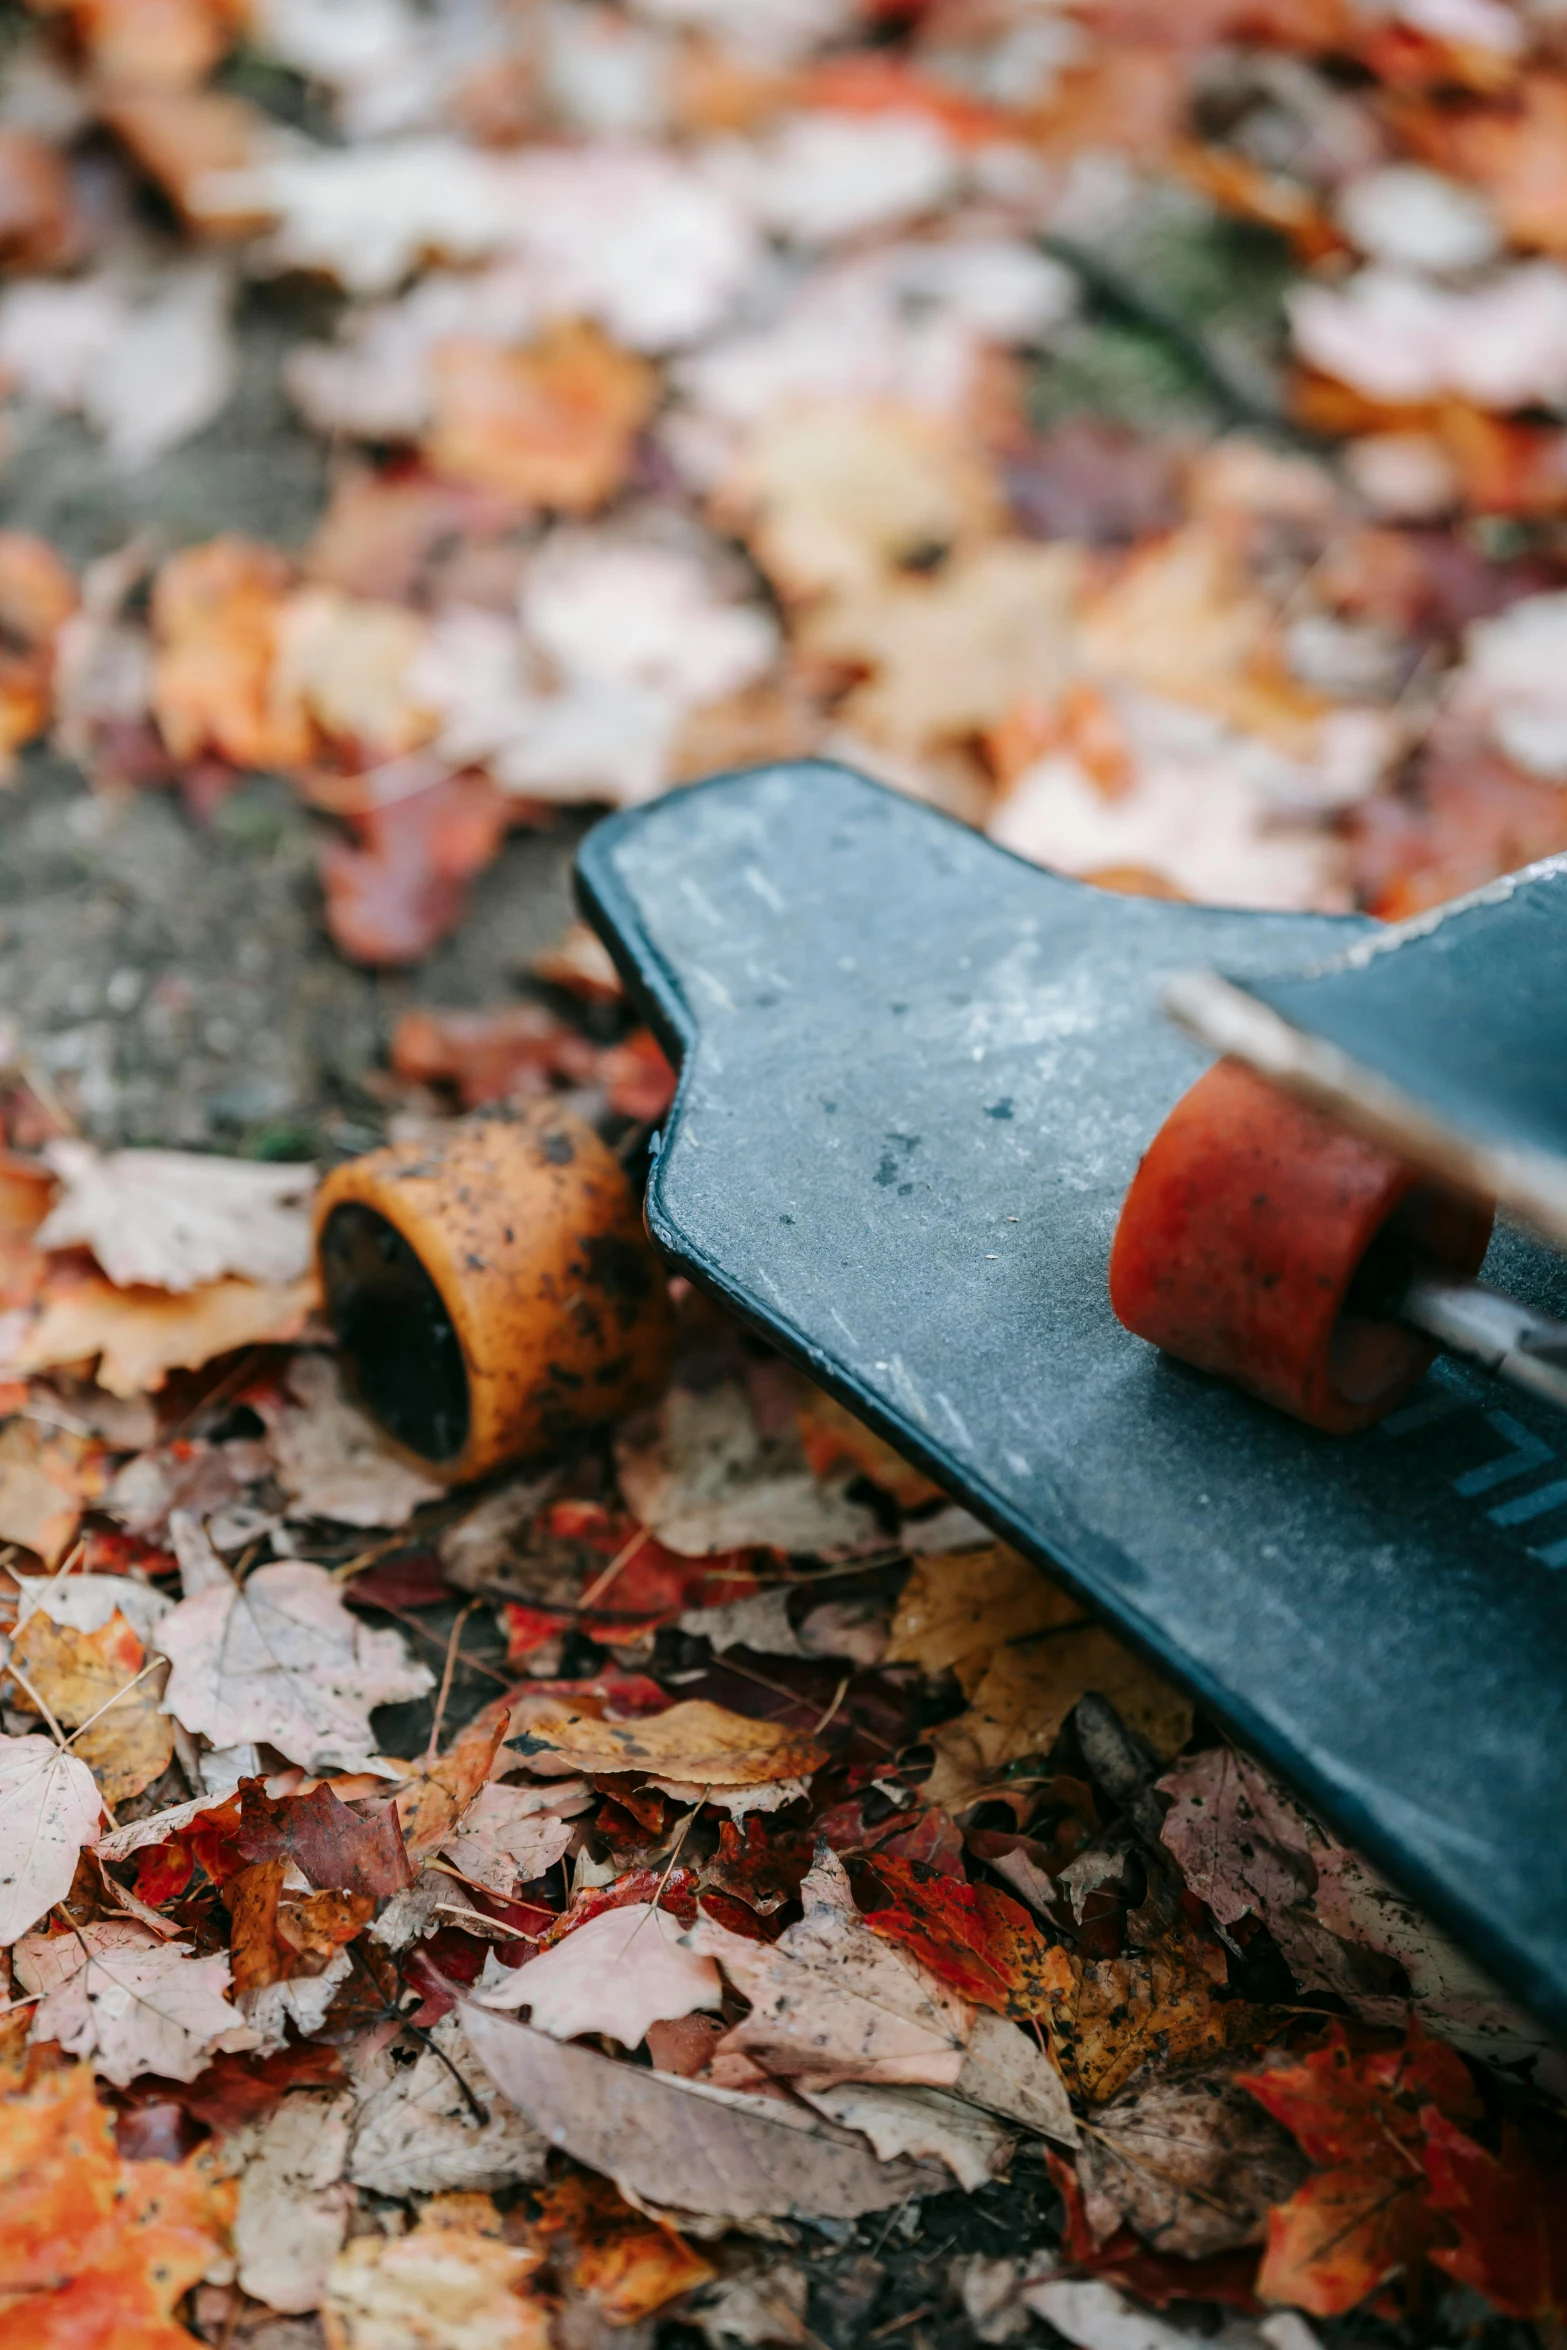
x: 831, y: 2001
x: 618, y: 1973
x: 138, y: 1336
x: 627, y: 2264
x: 683, y: 2146
x: 978, y: 1941
x: 443, y: 2283
x: 281, y: 1659
x: 1364, y: 2214
x: 49, y: 1808
x: 92, y: 2248
x: 694, y: 1741
x: 1188, y: 2163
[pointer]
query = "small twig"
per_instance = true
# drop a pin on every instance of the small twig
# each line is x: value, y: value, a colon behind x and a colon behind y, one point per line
x: 433, y: 1748
x: 423, y: 1632
x: 839, y: 1694
x: 669, y: 1869
x: 895, y: 2325
x: 133, y: 1683
x: 622, y: 1558
x: 469, y: 2099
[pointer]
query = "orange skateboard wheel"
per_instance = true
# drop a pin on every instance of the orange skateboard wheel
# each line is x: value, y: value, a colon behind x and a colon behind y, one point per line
x: 1264, y: 1241
x: 494, y: 1290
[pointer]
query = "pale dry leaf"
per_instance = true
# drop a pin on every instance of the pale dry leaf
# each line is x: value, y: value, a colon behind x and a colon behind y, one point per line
x: 1008, y: 2073
x: 1095, y: 2315
x: 283, y: 1661
x: 618, y: 1973
x: 509, y: 1835
x: 175, y: 1219
x: 443, y: 2286
x: 138, y: 1336
x: 281, y: 2013
x: 1411, y: 218
x: 639, y: 614
x: 345, y: 662
x: 684, y: 2146
x: 293, y: 2201
x: 1400, y: 339
x: 699, y: 1744
x: 49, y: 1808
x: 700, y: 1474
x: 760, y: 1623
x: 172, y: 368
x: 1193, y: 2165
x: 128, y: 2002
x: 776, y: 30
x: 85, y: 1603
x: 1514, y: 681
x: 415, y: 2133
x: 924, y: 2123
x: 374, y: 379
x: 831, y: 2001
x: 366, y: 215
x: 119, y: 1843
x: 758, y: 2306
x: 332, y: 1460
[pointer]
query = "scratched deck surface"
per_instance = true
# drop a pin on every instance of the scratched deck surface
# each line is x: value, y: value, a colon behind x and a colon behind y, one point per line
x: 916, y: 1078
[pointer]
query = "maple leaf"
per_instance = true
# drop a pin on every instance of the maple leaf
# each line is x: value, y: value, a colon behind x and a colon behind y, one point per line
x: 337, y: 1849
x: 49, y: 1808
x: 173, y: 1219
x: 980, y: 1942
x: 95, y: 2250
x: 138, y: 1336
x: 282, y: 1660
x: 510, y: 1835
x: 402, y: 887
x: 89, y: 1680
x: 1121, y: 2015
x: 832, y: 2001
x: 553, y: 426
x: 701, y: 1744
x: 1364, y: 2215
x: 702, y: 1476
x: 617, y: 1973
x: 118, y: 1995
x: 1510, y: 2214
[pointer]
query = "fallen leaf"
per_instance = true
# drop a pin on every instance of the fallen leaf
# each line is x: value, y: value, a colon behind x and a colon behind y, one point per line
x: 1512, y: 152
x: 46, y: 1476
x: 338, y: 1850
x: 761, y: 2306
x: 293, y: 2201
x: 215, y: 615
x: 701, y: 1744
x: 834, y: 1439
x: 1363, y: 2215
x: 1510, y: 2214
x: 957, y: 1609
x: 402, y: 886
x: 94, y: 2249
x: 1125, y: 2014
x: 1009, y: 2073
x: 49, y: 1808
x: 1190, y: 2164
x: 834, y: 496
x: 489, y: 1055
x: 1019, y: 1706
x: 127, y: 1743
x: 621, y: 1971
x: 345, y: 663
x: 175, y: 1220
x: 626, y: 2263
x: 128, y: 2002
x: 415, y: 2132
x: 684, y: 2146
x: 442, y: 2283
x: 553, y: 425
x: 510, y: 1835
x: 831, y: 2001
x: 978, y: 1941
x: 819, y: 177
x: 282, y: 1660
x: 332, y: 1460
x: 181, y: 136
x: 923, y: 2123
x: 38, y: 229
x: 702, y: 1476
x: 138, y: 1336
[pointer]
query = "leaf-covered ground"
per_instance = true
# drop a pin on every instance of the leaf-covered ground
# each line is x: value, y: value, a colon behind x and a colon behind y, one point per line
x: 698, y: 1886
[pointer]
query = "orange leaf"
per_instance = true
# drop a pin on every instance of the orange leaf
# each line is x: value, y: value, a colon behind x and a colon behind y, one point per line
x: 629, y: 2265
x: 976, y: 1940
x: 554, y: 425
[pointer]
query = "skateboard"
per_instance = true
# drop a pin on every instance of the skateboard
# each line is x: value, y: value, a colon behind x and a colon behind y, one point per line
x: 918, y: 1082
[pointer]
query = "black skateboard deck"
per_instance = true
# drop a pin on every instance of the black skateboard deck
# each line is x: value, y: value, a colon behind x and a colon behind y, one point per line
x: 916, y: 1078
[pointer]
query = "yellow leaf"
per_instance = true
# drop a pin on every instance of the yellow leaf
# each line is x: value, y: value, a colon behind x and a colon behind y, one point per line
x: 956, y: 1610
x: 140, y: 1335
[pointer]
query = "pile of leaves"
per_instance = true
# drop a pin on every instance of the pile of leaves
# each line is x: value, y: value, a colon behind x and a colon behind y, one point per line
x: 625, y: 1892
x: 1137, y: 430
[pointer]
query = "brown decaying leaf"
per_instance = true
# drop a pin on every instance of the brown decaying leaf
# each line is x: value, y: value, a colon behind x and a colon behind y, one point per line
x: 682, y: 2146
x: 77, y: 1674
x: 1191, y: 2164
x: 337, y: 1849
x: 1125, y: 2015
x: 451, y: 2278
x: 1020, y: 1703
x: 702, y: 1744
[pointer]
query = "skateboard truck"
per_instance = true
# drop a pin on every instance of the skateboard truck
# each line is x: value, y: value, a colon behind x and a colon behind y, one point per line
x: 918, y: 1081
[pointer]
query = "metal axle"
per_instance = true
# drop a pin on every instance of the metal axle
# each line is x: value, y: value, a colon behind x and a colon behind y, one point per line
x: 1527, y: 1348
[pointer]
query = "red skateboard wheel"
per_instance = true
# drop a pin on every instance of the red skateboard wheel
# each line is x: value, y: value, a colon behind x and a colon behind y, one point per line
x: 1242, y: 1236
